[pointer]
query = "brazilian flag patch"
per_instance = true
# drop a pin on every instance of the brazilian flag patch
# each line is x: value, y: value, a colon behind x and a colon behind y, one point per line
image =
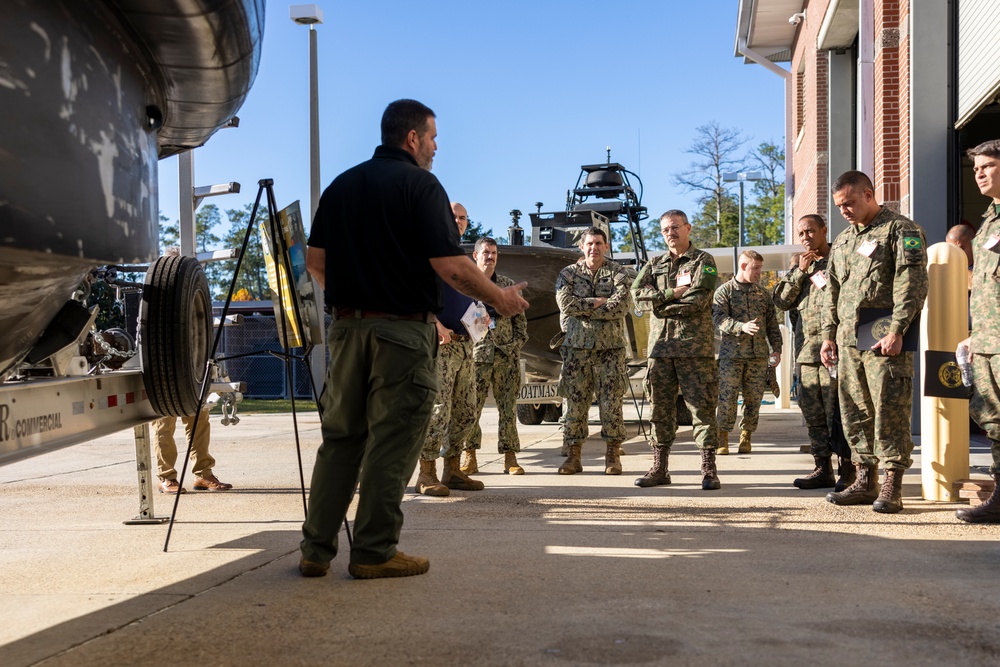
x: 911, y: 243
x: 710, y: 270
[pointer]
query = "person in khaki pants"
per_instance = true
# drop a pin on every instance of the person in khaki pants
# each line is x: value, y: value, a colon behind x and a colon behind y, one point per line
x: 201, y: 461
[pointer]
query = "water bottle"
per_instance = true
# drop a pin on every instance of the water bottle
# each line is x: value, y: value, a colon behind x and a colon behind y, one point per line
x: 962, y: 357
x: 833, y: 369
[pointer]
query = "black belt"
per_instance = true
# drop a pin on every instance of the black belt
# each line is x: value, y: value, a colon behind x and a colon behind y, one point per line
x: 344, y: 313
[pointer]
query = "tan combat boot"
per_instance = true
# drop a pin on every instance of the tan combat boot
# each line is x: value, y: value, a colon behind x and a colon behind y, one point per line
x: 469, y: 464
x: 612, y: 460
x: 510, y: 465
x: 572, y: 464
x: 427, y: 481
x: 453, y: 477
x: 744, y: 442
x: 723, y: 447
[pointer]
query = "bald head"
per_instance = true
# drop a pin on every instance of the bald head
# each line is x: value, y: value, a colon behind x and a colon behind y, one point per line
x: 461, y: 217
x: 961, y: 236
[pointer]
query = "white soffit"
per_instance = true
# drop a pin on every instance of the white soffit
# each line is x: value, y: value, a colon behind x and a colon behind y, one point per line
x: 840, y: 25
x: 978, y: 65
x: 764, y: 24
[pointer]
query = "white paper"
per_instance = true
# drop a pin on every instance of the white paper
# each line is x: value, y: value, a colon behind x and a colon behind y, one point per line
x: 476, y: 321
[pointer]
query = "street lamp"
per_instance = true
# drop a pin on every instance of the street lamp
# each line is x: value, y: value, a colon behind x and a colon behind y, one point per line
x: 742, y: 177
x: 310, y: 15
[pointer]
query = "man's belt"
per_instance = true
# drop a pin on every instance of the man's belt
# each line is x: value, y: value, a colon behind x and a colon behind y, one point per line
x: 345, y: 313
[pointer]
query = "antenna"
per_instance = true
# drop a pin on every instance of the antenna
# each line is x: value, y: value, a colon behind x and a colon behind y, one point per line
x: 608, y: 149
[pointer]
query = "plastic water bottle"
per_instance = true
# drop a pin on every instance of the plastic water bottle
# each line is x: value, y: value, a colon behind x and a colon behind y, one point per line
x: 964, y: 364
x: 833, y: 369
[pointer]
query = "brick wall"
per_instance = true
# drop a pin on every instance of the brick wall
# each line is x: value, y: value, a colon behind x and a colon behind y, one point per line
x: 809, y: 161
x: 889, y: 112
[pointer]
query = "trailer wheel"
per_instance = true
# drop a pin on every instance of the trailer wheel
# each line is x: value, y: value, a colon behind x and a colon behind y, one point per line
x: 175, y: 332
x: 552, y: 412
x: 529, y: 414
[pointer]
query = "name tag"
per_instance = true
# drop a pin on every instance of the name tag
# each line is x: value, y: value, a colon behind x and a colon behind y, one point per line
x: 818, y: 279
x: 683, y: 279
x: 991, y: 242
x: 867, y: 248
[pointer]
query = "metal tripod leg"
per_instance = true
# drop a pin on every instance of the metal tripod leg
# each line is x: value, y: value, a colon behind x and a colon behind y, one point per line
x: 144, y: 469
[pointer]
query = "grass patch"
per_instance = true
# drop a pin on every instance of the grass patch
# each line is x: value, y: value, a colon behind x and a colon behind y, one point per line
x: 249, y: 406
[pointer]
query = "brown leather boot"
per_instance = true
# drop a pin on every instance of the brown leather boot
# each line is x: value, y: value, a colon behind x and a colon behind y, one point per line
x: 469, y: 464
x: 744, y: 442
x: 510, y: 465
x: 427, y: 481
x: 612, y: 460
x: 453, y: 477
x: 723, y: 447
x: 890, y: 500
x: 847, y: 474
x: 864, y: 490
x: 572, y: 464
x: 658, y: 474
x: 710, y: 477
x: 988, y: 511
x: 820, y: 478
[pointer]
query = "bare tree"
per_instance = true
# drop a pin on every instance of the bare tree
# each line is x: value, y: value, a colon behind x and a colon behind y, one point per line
x: 717, y: 150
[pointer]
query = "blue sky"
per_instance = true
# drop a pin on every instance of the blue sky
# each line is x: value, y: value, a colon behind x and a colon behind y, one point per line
x: 525, y: 92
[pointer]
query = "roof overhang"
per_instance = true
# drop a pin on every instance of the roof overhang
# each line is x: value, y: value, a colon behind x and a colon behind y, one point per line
x: 765, y: 27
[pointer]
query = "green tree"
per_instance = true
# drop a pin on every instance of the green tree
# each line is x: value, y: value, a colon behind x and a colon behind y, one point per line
x: 705, y: 224
x: 169, y: 236
x: 621, y: 240
x: 474, y: 232
x: 765, y: 217
x: 253, y: 273
x: 717, y: 151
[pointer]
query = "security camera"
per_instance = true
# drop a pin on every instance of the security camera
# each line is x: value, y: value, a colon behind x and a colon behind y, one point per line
x: 797, y: 18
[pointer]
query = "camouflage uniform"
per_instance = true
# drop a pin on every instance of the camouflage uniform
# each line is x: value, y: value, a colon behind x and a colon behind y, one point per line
x: 985, y: 403
x: 496, y: 357
x: 742, y: 357
x: 455, y: 405
x: 876, y: 390
x: 594, y: 349
x: 681, y: 344
x: 817, y: 390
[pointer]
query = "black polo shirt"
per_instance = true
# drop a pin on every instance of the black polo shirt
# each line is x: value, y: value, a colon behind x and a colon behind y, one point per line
x: 380, y: 222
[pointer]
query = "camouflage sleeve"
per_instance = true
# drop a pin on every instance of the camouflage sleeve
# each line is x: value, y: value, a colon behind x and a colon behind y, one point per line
x: 520, y: 332
x: 696, y: 299
x: 645, y: 293
x: 772, y: 326
x: 569, y: 303
x: 618, y: 304
x: 909, y: 288
x: 786, y: 292
x: 830, y: 319
x: 721, y: 313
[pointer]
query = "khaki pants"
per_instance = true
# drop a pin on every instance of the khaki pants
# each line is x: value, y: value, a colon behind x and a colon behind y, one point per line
x: 165, y: 447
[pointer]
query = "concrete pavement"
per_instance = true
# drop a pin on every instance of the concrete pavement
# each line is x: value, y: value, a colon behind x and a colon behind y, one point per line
x: 538, y: 569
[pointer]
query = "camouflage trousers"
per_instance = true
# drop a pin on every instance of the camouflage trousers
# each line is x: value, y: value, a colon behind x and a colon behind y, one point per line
x: 985, y: 402
x: 875, y: 402
x: 818, y: 403
x: 748, y: 376
x: 454, y: 410
x: 697, y: 380
x: 589, y: 372
x: 503, y: 376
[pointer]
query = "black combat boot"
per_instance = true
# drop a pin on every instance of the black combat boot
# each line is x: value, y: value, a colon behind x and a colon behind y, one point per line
x: 847, y: 474
x: 710, y: 477
x: 864, y: 490
x: 989, y: 511
x: 890, y: 500
x: 658, y: 474
x: 820, y: 478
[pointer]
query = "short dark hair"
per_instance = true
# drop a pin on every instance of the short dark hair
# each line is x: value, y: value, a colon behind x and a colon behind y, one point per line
x: 402, y: 116
x: 484, y: 240
x: 989, y: 148
x: 594, y: 231
x: 815, y: 217
x: 854, y: 180
x: 675, y: 213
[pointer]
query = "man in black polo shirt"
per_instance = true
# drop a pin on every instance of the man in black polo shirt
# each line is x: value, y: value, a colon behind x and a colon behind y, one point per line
x: 383, y: 232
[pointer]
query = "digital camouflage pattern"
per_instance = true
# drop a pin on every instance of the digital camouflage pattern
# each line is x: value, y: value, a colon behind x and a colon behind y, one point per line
x: 746, y: 376
x: 584, y: 373
x: 590, y: 328
x: 454, y: 410
x: 681, y: 344
x: 497, y: 367
x: 679, y: 327
x: 594, y: 349
x: 796, y: 292
x: 985, y: 300
x: 876, y: 391
x: 818, y: 403
x: 736, y: 303
x: 697, y: 379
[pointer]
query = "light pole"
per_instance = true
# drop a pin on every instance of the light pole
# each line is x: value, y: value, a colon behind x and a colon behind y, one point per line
x: 742, y: 177
x: 310, y: 15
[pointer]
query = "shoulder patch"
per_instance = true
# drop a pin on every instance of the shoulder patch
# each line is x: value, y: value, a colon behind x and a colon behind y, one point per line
x: 911, y: 242
x: 710, y: 270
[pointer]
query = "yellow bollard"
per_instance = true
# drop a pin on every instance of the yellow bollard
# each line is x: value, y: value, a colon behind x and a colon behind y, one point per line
x: 944, y: 422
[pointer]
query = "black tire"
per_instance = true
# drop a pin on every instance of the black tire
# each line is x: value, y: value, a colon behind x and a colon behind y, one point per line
x: 552, y: 412
x: 529, y: 415
x: 175, y: 334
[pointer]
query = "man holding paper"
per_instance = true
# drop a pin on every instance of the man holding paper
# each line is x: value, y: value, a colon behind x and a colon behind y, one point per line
x: 879, y: 262
x: 454, y: 410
